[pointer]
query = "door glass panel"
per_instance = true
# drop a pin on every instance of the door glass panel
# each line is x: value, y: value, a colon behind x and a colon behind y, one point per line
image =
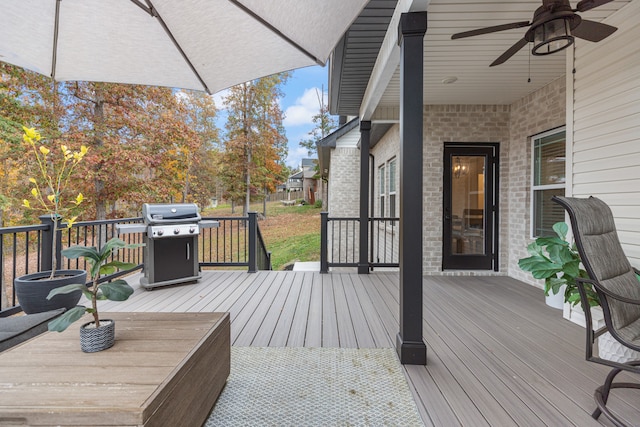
x: 467, y: 205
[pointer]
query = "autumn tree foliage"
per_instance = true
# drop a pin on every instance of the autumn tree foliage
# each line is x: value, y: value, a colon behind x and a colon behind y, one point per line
x: 201, y: 175
x: 25, y: 99
x: 147, y: 144
x: 256, y: 144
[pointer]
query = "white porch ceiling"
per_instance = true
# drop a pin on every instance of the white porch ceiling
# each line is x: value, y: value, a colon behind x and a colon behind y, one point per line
x: 468, y: 59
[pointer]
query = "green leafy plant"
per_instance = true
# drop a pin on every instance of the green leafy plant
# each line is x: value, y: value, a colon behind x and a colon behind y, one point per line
x: 557, y: 261
x: 99, y: 265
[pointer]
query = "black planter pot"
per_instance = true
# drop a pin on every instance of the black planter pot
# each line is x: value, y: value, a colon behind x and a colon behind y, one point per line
x: 32, y: 290
x: 94, y: 339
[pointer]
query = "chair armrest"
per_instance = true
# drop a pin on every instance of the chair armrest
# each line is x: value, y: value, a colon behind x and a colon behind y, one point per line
x: 613, y: 295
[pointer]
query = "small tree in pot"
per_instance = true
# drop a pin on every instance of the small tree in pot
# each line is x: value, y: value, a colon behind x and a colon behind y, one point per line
x: 96, y: 335
x: 557, y: 261
x: 48, y: 195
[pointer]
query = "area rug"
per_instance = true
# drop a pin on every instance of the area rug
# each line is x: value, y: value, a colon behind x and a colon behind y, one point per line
x: 314, y: 387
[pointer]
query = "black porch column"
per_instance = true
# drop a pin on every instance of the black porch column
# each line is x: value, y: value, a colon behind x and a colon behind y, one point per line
x: 409, y: 343
x: 363, y: 258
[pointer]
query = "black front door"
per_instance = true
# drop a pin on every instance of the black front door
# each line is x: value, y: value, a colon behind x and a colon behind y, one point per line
x: 470, y: 211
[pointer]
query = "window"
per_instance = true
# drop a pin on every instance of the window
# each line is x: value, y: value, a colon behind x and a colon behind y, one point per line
x: 392, y: 188
x: 548, y: 180
x: 381, y: 179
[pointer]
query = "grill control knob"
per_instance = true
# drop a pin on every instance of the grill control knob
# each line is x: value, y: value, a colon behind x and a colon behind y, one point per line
x: 192, y: 230
x: 176, y: 231
x: 160, y: 232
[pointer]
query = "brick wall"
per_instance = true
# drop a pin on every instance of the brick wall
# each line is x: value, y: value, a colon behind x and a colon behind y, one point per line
x: 344, y: 179
x: 510, y: 126
x: 459, y: 123
x: 538, y: 112
x: 344, y: 201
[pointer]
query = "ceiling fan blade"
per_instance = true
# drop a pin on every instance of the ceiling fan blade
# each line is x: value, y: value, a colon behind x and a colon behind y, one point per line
x: 510, y: 52
x: 593, y: 31
x: 488, y: 30
x: 585, y: 5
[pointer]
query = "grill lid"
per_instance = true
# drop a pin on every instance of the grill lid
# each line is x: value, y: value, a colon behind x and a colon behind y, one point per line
x: 170, y: 213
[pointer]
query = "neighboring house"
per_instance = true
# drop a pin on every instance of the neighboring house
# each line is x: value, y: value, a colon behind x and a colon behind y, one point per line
x: 306, y: 181
x: 294, y: 182
x: 311, y: 185
x: 494, y: 147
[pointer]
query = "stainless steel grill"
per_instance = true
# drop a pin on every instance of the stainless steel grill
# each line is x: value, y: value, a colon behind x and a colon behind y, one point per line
x: 171, y: 243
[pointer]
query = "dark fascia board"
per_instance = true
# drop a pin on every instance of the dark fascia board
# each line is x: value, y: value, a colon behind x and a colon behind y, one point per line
x: 335, y: 73
x: 353, y: 58
x: 328, y: 142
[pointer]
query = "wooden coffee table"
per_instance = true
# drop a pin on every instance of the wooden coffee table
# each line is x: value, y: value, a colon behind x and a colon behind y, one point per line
x: 165, y: 369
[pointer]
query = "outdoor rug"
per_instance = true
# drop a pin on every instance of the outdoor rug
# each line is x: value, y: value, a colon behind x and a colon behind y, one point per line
x: 314, y: 387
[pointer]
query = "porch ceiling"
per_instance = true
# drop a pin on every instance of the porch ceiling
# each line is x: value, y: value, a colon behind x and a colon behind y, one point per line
x: 468, y: 59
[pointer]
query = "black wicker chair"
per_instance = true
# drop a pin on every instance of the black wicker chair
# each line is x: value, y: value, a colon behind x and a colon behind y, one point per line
x: 616, y: 284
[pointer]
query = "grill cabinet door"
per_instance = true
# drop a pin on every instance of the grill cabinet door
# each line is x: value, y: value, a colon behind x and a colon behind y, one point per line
x: 174, y: 258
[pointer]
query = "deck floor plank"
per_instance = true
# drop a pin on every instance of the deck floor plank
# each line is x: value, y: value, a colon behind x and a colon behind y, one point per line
x: 346, y: 327
x: 257, y: 309
x: 284, y: 323
x: 297, y: 333
x: 330, y: 335
x: 381, y: 338
x: 269, y: 326
x: 497, y: 355
x: 314, y: 327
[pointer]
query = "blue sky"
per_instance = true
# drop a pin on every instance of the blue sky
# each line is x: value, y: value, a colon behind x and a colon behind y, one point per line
x: 300, y: 103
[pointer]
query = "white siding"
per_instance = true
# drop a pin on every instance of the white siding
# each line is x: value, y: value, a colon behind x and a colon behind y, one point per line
x: 606, y: 127
x: 350, y: 139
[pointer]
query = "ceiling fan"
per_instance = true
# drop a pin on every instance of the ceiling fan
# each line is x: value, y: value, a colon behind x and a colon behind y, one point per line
x: 554, y: 26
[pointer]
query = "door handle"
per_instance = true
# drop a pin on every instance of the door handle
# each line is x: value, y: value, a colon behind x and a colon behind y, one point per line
x: 188, y: 252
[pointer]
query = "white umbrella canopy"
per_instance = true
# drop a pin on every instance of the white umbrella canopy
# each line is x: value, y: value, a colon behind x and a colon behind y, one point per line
x: 205, y: 45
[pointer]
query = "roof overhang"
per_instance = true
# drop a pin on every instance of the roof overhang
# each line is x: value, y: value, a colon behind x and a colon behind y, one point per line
x: 326, y: 144
x: 455, y: 71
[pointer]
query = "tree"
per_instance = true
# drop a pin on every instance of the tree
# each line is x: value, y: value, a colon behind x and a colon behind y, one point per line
x: 133, y: 132
x: 256, y: 144
x: 324, y: 124
x: 26, y: 98
x: 202, y: 179
x: 146, y: 143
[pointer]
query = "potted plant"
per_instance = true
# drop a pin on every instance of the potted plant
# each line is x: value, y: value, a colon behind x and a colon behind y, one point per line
x: 557, y: 261
x: 49, y: 196
x: 96, y: 335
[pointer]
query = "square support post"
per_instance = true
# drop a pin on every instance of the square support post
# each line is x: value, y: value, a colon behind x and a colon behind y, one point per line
x: 363, y: 254
x: 409, y: 343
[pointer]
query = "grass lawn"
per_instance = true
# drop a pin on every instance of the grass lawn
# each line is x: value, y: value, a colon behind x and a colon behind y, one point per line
x: 291, y: 233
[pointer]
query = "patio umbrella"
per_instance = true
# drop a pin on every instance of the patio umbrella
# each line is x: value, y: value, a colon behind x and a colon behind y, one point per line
x: 193, y: 44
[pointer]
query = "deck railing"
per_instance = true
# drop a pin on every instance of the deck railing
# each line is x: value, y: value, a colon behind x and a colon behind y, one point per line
x: 237, y: 242
x: 340, y: 242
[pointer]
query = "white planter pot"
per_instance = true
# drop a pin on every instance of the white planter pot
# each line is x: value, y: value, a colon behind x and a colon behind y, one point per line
x: 555, y: 300
x: 610, y: 349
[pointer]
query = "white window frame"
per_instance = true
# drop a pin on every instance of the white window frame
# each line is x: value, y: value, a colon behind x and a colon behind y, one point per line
x: 382, y: 178
x: 392, y: 186
x: 534, y: 187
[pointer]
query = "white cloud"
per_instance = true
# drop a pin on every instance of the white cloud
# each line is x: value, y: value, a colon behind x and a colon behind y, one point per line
x: 295, y: 156
x: 220, y: 99
x: 305, y: 107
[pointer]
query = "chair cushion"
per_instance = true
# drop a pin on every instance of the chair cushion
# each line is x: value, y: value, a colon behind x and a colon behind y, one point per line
x: 631, y: 333
x: 16, y: 329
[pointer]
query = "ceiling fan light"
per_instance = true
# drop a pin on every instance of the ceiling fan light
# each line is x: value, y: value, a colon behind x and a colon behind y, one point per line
x: 552, y: 36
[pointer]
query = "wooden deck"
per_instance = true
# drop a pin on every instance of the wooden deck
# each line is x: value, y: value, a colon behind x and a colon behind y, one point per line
x: 497, y: 355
